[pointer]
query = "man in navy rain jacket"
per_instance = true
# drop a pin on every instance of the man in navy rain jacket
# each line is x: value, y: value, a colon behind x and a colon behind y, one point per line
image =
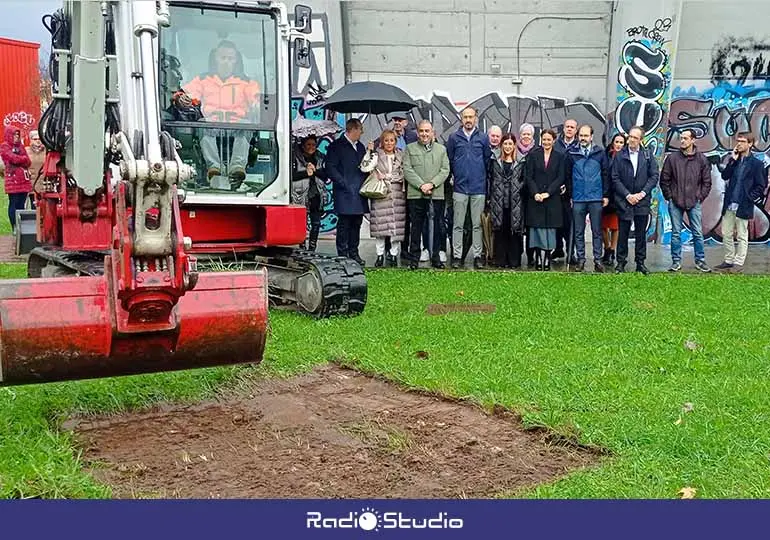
x: 589, y: 187
x: 469, y: 156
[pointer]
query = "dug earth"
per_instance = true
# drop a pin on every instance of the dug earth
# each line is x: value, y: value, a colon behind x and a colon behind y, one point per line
x: 329, y: 433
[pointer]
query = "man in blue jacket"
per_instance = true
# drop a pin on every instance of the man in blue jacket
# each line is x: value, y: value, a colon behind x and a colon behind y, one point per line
x: 343, y: 158
x: 589, y: 187
x: 469, y: 156
x: 746, y: 183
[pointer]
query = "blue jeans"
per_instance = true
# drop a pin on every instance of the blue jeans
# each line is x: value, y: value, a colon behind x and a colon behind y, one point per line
x: 677, y: 222
x: 594, y: 211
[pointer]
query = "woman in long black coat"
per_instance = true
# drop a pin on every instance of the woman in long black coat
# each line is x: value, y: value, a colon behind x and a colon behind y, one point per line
x: 544, y: 174
x: 506, y: 204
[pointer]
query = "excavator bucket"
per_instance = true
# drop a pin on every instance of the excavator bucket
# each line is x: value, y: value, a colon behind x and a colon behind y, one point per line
x: 63, y: 328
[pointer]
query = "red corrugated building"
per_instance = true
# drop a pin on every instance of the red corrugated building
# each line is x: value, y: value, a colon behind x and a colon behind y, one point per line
x: 19, y: 85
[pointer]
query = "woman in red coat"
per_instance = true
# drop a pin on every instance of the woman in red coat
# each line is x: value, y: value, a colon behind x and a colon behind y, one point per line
x: 17, y: 181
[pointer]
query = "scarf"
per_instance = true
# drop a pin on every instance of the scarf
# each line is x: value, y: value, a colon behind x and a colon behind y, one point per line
x: 523, y: 150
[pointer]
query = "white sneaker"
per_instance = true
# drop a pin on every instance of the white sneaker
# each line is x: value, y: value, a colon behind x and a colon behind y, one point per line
x: 442, y: 256
x: 424, y: 256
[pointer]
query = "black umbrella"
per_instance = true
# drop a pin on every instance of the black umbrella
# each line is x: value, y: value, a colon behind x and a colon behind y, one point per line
x: 370, y: 97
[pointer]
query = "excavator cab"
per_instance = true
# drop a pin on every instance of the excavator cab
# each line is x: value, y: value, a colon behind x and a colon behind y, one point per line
x: 218, y: 86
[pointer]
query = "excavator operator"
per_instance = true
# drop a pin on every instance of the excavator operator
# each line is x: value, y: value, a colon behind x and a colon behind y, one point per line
x: 225, y: 94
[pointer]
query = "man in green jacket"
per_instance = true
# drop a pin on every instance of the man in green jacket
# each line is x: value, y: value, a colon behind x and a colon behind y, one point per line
x: 426, y: 168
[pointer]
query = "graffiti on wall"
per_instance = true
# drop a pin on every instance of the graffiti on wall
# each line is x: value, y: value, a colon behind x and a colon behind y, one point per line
x: 644, y: 83
x: 21, y: 119
x: 738, y: 60
x: 508, y: 112
x: 737, y: 99
x: 643, y: 93
x: 657, y: 33
x: 319, y: 74
x: 717, y: 115
x: 310, y: 105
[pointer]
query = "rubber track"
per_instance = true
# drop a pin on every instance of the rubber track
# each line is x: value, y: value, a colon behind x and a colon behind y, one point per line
x: 89, y: 263
x: 342, y: 280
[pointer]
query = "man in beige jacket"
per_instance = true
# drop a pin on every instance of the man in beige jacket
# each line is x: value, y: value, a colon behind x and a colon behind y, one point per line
x: 426, y: 168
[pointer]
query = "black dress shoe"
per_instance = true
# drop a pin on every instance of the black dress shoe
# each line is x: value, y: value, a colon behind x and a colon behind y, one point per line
x: 598, y: 267
x: 642, y: 269
x: 478, y: 262
x: 359, y: 260
x: 438, y: 265
x: 380, y: 262
x: 456, y: 265
x: 390, y: 261
x: 413, y: 265
x: 620, y: 268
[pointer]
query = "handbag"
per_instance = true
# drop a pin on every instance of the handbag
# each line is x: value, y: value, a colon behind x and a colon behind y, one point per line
x: 374, y: 187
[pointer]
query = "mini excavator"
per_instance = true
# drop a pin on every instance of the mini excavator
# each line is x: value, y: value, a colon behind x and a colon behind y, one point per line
x: 169, y: 145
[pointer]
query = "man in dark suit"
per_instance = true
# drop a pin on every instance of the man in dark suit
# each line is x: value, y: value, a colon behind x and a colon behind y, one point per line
x: 634, y: 175
x: 343, y: 158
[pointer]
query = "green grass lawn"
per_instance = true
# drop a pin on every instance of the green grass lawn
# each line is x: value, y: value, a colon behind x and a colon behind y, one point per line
x: 610, y: 359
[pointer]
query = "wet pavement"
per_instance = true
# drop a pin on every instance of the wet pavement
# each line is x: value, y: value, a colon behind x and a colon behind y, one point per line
x: 658, y: 257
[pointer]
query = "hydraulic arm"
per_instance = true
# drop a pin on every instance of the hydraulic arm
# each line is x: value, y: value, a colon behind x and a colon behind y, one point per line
x: 110, y: 187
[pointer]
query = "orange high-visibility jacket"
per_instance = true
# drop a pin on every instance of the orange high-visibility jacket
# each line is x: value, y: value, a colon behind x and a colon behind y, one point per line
x: 224, y: 101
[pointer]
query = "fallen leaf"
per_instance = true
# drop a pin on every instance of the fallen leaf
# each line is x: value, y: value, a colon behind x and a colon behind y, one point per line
x: 678, y: 421
x: 687, y: 407
x: 460, y: 293
x: 422, y: 355
x: 687, y: 493
x: 690, y: 345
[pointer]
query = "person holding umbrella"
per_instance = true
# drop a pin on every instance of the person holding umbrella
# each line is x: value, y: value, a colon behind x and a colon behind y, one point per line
x: 343, y: 160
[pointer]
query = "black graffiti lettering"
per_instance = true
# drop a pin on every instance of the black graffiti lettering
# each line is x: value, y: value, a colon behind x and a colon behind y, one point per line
x: 320, y: 71
x: 655, y: 33
x: 636, y: 112
x: 508, y: 113
x: 740, y: 60
x: 641, y: 72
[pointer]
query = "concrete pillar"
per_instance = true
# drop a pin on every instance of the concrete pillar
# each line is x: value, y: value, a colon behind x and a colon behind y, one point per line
x: 641, y: 68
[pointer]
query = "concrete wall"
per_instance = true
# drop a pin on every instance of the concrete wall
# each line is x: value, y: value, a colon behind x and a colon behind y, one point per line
x: 467, y: 48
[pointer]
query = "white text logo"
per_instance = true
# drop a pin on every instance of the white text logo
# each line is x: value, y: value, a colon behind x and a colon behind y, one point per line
x: 370, y: 519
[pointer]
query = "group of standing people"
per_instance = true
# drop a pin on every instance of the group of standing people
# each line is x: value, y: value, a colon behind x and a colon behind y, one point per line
x: 534, y: 195
x: 20, y: 165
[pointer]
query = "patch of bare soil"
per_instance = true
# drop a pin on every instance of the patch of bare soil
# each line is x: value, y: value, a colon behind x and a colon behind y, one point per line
x: 330, y: 433
x: 443, y: 309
